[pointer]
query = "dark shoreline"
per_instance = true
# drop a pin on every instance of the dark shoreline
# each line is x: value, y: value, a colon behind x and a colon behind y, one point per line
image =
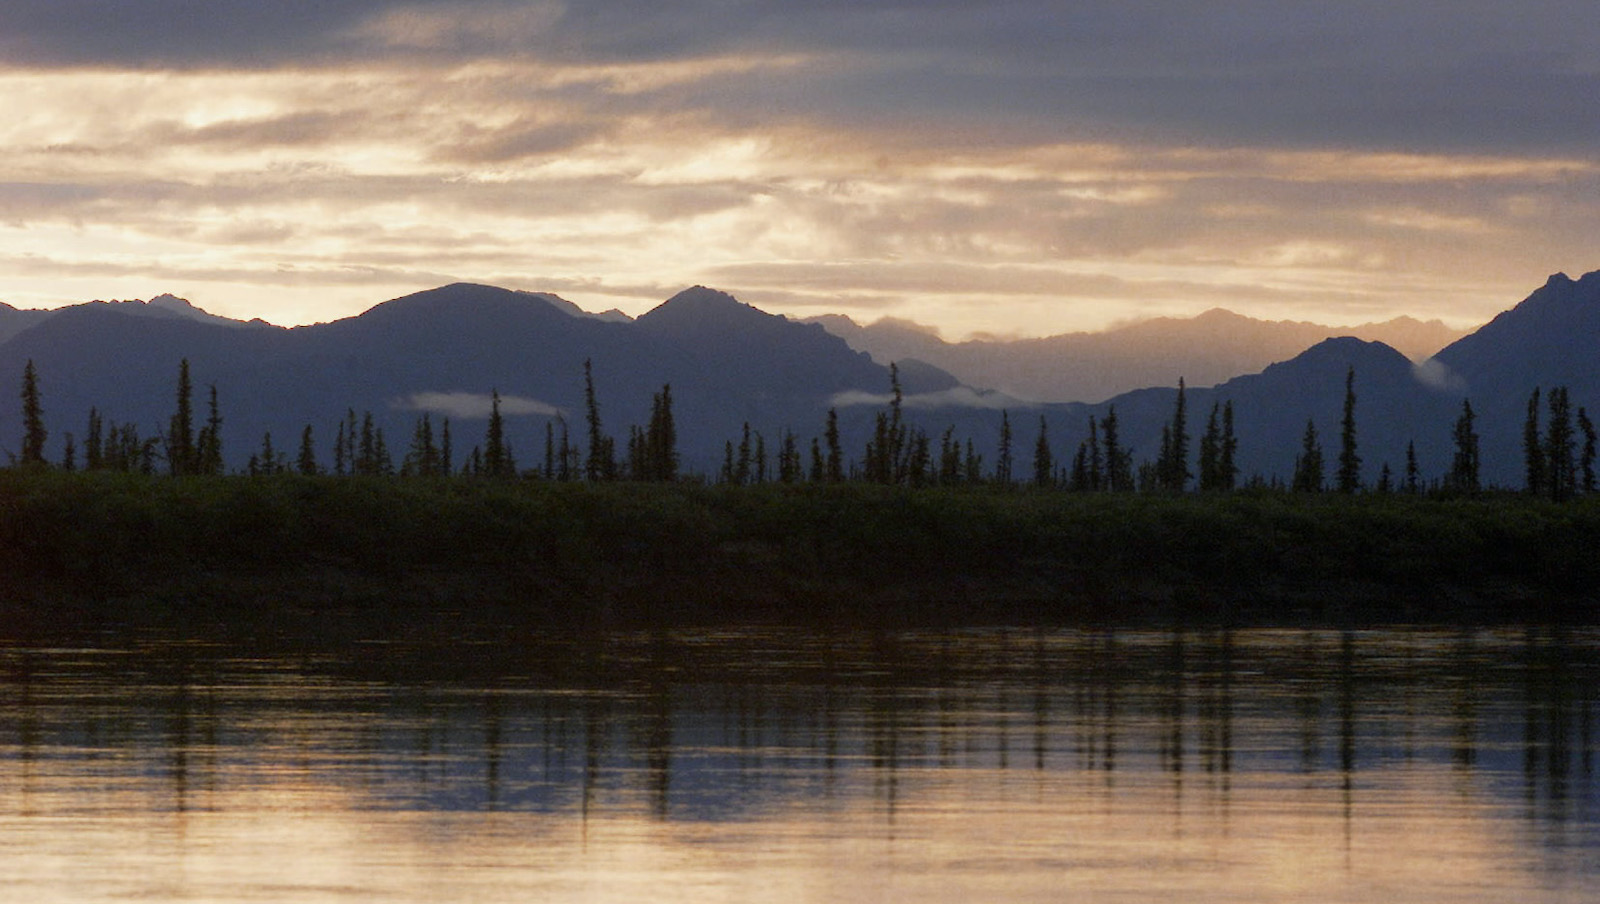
x: 421, y: 554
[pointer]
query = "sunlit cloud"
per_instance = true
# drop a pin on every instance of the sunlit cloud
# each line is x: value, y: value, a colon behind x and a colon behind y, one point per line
x: 962, y: 169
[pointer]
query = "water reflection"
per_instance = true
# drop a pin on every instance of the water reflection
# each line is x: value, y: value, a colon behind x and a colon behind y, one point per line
x: 1233, y: 765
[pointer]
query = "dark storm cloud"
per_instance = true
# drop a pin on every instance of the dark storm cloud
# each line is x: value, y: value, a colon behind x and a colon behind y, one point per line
x: 1358, y: 73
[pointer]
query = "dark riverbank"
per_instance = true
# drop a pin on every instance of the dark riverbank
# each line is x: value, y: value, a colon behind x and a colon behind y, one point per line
x: 235, y: 548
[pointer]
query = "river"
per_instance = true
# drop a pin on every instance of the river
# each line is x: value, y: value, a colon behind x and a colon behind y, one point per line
x: 1420, y: 764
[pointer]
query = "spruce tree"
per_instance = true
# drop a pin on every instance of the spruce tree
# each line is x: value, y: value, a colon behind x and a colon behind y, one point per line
x: 94, y: 443
x: 446, y: 453
x: 661, y: 439
x: 208, y: 446
x: 69, y: 454
x: 1560, y: 471
x: 1533, y: 448
x: 1413, y: 474
x: 601, y: 463
x: 1043, y: 461
x: 341, y: 458
x: 819, y: 465
x: 33, y: 432
x: 1119, y: 461
x: 835, y: 472
x: 181, y: 458
x: 1174, y: 477
x: 306, y: 463
x: 1228, y: 470
x: 549, y: 450
x: 1002, y: 465
x: 973, y: 463
x: 1349, y: 474
x: 497, y: 460
x: 949, y: 457
x: 1308, y: 464
x: 1094, y: 466
x: 1586, y: 462
x: 1464, y: 466
x: 1210, y: 451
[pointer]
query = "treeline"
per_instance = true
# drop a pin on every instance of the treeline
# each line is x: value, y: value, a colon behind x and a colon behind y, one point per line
x: 1559, y: 449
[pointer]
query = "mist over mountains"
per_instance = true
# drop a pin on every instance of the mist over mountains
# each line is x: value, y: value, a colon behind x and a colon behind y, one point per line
x: 445, y: 350
x: 1094, y: 366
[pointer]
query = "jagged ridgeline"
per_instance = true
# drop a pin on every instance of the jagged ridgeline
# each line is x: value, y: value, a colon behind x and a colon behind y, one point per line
x: 510, y: 377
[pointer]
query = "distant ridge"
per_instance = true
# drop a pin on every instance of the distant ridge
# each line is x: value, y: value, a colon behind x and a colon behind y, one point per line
x: 446, y: 350
x: 1092, y: 366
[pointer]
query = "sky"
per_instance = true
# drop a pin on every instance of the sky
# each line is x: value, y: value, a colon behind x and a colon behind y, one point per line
x: 1013, y: 167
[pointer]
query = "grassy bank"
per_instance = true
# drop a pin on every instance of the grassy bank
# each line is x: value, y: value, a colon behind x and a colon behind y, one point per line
x: 579, y: 552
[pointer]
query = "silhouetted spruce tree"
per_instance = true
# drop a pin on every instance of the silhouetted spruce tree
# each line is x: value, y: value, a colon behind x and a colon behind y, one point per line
x: 1308, y: 464
x: 835, y: 450
x: 760, y: 473
x: 367, y: 456
x: 1157, y: 475
x: 1349, y: 473
x: 497, y: 460
x: 729, y: 469
x: 788, y: 459
x: 1464, y: 464
x: 1094, y: 464
x: 819, y: 464
x: 268, y: 461
x: 1119, y: 461
x: 742, y: 465
x: 918, y: 459
x: 1586, y: 462
x: 94, y: 443
x: 602, y: 463
x: 973, y: 462
x: 384, y: 464
x: 566, y: 466
x: 306, y: 462
x: 949, y: 457
x: 341, y: 460
x: 1002, y: 464
x: 422, y: 457
x: 1413, y: 474
x: 1227, y: 468
x: 661, y: 438
x: 1533, y: 448
x: 1211, y: 452
x: 446, y: 453
x: 69, y: 454
x: 1172, y: 465
x: 1559, y: 464
x: 1043, y: 461
x: 1385, y: 480
x: 181, y: 458
x: 549, y: 471
x: 33, y: 432
x: 208, y: 445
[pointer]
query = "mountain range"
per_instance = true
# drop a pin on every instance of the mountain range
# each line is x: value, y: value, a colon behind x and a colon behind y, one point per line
x: 1094, y: 366
x: 446, y: 350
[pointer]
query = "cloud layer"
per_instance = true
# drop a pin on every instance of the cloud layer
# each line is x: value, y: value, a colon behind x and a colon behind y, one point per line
x: 1019, y: 166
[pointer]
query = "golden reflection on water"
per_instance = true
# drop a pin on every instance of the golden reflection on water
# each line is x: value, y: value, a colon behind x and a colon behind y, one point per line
x: 756, y: 766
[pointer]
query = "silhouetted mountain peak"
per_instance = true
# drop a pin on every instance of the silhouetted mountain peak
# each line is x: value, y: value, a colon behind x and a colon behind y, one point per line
x: 703, y: 310
x: 459, y: 301
x: 700, y: 302
x: 1332, y: 357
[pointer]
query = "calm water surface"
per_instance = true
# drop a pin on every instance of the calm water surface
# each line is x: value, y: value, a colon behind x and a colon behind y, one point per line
x: 753, y: 765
